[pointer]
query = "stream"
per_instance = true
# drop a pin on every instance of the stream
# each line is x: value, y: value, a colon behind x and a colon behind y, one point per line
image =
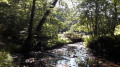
x: 70, y: 55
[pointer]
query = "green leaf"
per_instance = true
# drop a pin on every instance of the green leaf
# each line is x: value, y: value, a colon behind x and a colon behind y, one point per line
x: 0, y: 1
x: 6, y: 1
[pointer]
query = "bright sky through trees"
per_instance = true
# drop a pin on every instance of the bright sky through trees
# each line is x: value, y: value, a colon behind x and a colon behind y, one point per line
x: 68, y: 2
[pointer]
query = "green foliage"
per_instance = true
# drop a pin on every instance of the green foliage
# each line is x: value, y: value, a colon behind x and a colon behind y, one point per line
x: 73, y: 35
x: 63, y: 39
x: 95, y: 16
x: 56, y: 42
x: 89, y: 40
x: 13, y: 19
x: 12, y: 48
x: 5, y: 59
x: 6, y: 1
x: 117, y: 30
x: 80, y: 28
x: 14, y: 23
x: 105, y: 44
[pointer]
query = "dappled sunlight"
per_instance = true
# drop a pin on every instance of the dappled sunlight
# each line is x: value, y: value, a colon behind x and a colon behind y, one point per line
x: 59, y: 33
x: 117, y: 30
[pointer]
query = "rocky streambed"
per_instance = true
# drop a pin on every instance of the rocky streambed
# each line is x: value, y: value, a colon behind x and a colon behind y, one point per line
x: 70, y: 55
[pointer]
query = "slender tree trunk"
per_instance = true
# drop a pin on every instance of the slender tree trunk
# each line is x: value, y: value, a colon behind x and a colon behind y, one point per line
x: 30, y: 32
x: 91, y: 25
x: 38, y: 28
x: 114, y: 18
x: 29, y: 40
x: 96, y: 19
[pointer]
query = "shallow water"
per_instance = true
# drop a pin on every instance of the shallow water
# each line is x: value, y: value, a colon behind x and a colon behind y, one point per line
x: 72, y: 55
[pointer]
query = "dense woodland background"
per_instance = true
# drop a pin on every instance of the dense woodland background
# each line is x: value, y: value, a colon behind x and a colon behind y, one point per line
x: 39, y: 25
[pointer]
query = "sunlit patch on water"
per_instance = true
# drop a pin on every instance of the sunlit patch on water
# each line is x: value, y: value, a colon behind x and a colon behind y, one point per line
x: 72, y: 62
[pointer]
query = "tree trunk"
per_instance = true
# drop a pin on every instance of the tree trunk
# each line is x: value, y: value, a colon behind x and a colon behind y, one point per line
x: 38, y: 28
x: 30, y: 32
x: 29, y: 41
x: 91, y: 25
x: 96, y: 19
x: 114, y: 18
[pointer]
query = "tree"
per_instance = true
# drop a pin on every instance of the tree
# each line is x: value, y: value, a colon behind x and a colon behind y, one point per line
x: 38, y: 28
x: 100, y: 15
x: 115, y: 16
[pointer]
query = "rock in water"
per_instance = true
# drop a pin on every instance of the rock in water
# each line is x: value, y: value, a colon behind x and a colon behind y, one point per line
x: 73, y: 62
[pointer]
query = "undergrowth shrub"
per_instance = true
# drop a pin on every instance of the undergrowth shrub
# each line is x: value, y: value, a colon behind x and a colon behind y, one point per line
x: 12, y: 48
x: 105, y: 44
x: 89, y: 40
x: 53, y: 43
x: 5, y: 59
x: 58, y: 41
x: 73, y: 35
